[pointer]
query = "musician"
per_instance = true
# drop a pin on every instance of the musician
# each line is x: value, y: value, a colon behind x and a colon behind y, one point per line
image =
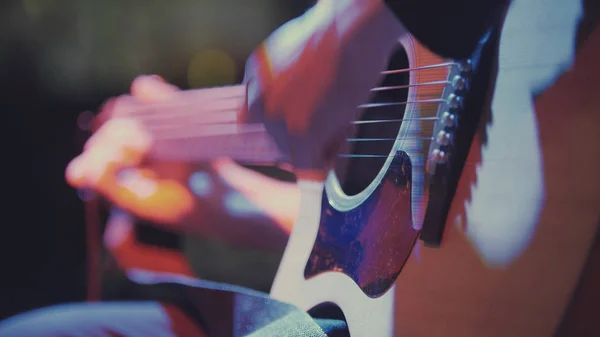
x: 336, y: 49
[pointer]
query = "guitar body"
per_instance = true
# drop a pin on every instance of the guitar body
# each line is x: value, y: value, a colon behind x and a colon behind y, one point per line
x: 522, y: 220
x: 358, y: 244
x: 525, y: 212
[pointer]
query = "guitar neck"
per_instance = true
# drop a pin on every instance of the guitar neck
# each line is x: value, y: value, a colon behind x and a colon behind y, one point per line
x: 201, y: 125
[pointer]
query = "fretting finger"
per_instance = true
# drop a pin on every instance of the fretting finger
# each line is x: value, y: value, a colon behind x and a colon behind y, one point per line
x: 150, y: 89
x: 91, y: 169
x: 123, y: 133
x: 119, y: 144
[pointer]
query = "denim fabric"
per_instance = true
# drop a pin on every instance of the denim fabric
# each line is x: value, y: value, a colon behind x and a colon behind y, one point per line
x: 221, y: 310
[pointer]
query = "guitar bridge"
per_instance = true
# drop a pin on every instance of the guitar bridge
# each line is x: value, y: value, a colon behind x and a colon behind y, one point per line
x: 457, y: 122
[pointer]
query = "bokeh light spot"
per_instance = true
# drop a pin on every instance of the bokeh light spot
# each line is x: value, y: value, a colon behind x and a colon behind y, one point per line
x: 211, y: 68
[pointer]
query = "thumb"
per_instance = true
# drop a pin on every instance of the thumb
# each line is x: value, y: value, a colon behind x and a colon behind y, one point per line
x: 141, y: 192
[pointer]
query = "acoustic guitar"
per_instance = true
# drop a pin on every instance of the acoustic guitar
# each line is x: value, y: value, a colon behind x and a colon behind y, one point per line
x: 525, y: 208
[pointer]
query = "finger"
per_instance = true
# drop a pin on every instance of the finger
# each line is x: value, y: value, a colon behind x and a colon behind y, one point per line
x: 119, y: 144
x: 85, y: 170
x: 119, y: 229
x: 114, y: 107
x: 121, y: 133
x: 74, y: 174
x: 105, y: 114
x: 141, y: 193
x: 152, y: 88
x: 100, y: 165
x: 106, y: 154
x: 97, y: 137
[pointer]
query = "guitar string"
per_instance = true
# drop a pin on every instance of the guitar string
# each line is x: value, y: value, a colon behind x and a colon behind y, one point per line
x: 151, y: 110
x: 196, y: 126
x: 178, y: 136
x: 364, y: 106
x: 385, y: 72
x: 197, y: 131
x: 253, y: 127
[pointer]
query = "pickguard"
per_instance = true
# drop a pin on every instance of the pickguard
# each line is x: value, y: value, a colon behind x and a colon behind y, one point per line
x: 370, y: 243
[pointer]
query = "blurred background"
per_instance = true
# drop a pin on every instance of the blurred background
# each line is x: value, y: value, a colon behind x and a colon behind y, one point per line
x: 59, y: 58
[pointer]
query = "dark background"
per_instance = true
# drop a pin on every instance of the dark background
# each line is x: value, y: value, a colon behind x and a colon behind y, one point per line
x: 59, y: 58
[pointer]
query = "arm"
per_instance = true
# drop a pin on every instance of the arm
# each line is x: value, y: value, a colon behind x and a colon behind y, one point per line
x: 354, y: 36
x: 313, y: 72
x: 231, y: 203
x: 236, y: 205
x: 246, y: 207
x: 162, y: 193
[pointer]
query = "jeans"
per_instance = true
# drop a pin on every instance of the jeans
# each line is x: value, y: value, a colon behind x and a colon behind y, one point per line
x: 170, y: 308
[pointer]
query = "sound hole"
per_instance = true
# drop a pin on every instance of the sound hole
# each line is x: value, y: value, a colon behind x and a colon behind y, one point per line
x: 356, y: 173
x: 371, y: 241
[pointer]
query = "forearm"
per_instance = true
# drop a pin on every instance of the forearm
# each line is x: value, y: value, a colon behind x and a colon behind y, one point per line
x: 369, y: 21
x: 367, y: 33
x: 365, y: 23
